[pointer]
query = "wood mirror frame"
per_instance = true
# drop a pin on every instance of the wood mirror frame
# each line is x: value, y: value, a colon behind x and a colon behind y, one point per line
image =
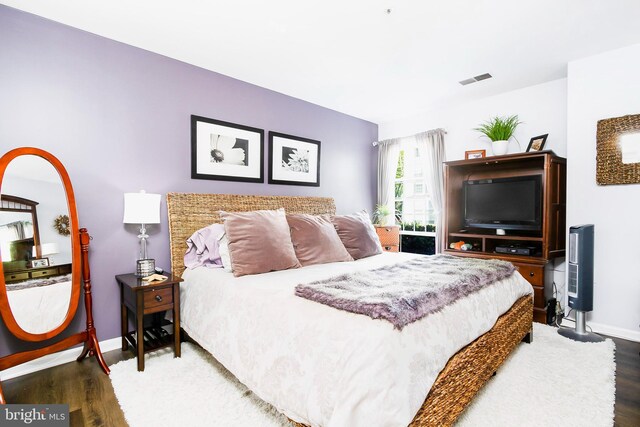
x: 80, y: 276
x: 5, y: 309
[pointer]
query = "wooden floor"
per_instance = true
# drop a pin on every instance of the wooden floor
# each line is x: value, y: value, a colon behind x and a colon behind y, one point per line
x: 627, y: 383
x: 83, y: 386
x: 92, y: 402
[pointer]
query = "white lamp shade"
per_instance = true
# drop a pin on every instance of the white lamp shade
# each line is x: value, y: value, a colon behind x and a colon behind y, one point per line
x: 49, y: 249
x: 141, y: 208
x: 46, y: 249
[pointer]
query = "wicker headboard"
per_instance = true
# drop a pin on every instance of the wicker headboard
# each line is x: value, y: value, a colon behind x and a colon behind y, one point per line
x: 189, y: 212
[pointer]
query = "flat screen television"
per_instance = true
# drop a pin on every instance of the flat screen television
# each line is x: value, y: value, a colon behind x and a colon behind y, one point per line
x: 505, y: 203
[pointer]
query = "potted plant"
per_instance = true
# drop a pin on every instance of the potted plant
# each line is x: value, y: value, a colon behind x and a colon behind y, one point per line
x: 381, y: 215
x: 499, y: 130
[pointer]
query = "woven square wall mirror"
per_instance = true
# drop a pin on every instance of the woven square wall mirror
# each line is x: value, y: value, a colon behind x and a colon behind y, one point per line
x: 618, y: 146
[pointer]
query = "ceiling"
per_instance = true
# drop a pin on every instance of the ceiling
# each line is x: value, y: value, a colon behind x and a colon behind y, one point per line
x: 353, y: 56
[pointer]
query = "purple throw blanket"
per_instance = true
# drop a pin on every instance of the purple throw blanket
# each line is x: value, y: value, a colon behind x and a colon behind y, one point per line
x: 405, y: 292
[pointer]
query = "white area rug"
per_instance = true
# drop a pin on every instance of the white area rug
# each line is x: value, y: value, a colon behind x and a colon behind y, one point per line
x: 553, y: 381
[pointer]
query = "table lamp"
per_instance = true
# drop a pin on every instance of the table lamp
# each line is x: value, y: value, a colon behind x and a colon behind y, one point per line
x: 46, y: 249
x: 142, y: 208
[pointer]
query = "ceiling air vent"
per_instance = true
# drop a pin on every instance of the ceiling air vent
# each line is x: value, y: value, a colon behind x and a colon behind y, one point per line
x: 484, y: 76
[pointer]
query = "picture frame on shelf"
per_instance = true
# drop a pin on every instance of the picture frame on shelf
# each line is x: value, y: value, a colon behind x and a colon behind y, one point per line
x: 293, y: 160
x: 537, y: 143
x: 40, y: 262
x: 226, y: 151
x: 475, y: 154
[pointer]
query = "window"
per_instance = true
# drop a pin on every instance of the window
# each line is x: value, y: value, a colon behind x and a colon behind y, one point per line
x: 414, y: 212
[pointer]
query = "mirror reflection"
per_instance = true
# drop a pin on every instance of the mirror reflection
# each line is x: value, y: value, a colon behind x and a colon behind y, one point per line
x: 16, y: 235
x: 36, y: 258
x: 630, y: 146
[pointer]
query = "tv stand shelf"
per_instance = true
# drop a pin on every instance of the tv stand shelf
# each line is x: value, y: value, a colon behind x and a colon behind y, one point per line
x: 506, y: 257
x: 496, y: 237
x: 549, y: 241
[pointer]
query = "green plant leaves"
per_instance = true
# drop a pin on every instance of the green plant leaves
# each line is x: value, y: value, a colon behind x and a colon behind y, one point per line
x: 499, y: 128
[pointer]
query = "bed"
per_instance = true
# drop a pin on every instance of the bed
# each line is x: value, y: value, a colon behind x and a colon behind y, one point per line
x: 287, y: 380
x: 39, y: 305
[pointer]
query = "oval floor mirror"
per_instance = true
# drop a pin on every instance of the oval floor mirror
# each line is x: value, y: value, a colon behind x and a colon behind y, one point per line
x: 44, y: 265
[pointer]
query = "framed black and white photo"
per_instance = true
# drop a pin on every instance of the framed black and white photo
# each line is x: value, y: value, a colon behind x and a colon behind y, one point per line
x: 537, y: 143
x: 293, y: 160
x: 226, y: 151
x: 40, y: 262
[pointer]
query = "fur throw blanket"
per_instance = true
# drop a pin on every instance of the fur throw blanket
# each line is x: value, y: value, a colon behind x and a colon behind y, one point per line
x: 405, y: 292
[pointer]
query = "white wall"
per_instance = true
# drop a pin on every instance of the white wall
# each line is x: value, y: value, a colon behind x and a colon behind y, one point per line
x: 600, y: 87
x: 541, y: 108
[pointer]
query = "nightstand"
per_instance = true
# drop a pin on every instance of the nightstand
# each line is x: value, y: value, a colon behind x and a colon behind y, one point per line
x: 155, y: 298
x: 389, y: 236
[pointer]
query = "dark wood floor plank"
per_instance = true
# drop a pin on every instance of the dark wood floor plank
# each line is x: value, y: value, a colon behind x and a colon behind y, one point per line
x: 627, y: 383
x: 92, y: 402
x: 83, y: 386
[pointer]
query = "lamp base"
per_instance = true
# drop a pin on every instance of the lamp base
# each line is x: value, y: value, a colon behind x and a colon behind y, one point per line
x: 145, y: 267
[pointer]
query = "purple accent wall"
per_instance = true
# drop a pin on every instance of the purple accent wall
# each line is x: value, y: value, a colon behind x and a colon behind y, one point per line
x: 118, y: 119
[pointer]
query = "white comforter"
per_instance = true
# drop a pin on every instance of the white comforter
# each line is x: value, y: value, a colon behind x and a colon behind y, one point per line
x: 323, y: 366
x: 42, y: 308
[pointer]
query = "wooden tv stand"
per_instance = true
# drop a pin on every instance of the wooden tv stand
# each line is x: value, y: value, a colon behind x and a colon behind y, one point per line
x: 549, y: 243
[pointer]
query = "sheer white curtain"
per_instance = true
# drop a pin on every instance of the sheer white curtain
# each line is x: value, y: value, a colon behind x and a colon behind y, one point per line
x: 388, y: 152
x: 431, y: 143
x: 12, y: 231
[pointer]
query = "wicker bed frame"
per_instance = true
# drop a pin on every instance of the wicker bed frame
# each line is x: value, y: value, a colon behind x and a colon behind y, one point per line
x: 465, y: 373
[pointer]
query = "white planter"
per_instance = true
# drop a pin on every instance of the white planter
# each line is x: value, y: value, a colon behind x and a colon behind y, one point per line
x: 500, y: 147
x: 387, y: 220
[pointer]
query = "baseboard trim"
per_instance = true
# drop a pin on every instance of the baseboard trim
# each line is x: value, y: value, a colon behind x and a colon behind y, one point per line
x: 614, y: 331
x: 55, y: 359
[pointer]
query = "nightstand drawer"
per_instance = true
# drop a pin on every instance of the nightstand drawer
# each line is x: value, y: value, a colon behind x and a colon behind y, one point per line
x: 533, y: 273
x: 44, y: 273
x: 10, y: 277
x: 389, y: 235
x: 157, y: 299
x: 391, y: 248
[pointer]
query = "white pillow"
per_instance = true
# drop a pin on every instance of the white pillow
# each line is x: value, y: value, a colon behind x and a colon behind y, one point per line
x: 225, y: 256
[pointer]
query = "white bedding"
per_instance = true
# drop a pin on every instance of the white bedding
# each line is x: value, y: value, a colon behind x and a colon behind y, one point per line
x: 323, y: 366
x: 41, y: 308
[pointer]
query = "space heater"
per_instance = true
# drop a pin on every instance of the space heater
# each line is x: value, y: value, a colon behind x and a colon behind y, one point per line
x: 580, y: 285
